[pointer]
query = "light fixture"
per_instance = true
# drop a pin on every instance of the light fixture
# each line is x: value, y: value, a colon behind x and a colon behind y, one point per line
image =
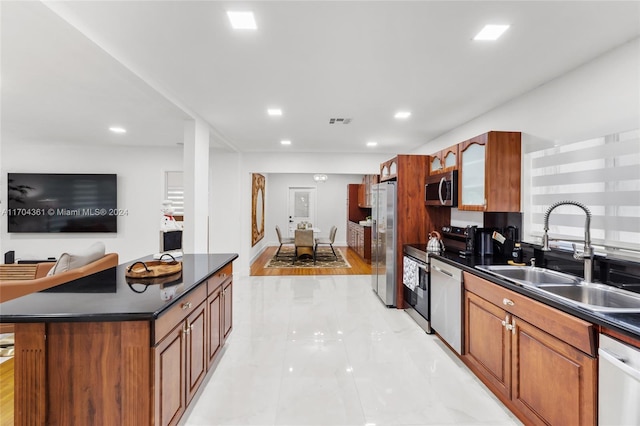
x: 285, y: 142
x: 320, y: 178
x: 372, y: 143
x: 242, y: 20
x: 118, y: 129
x: 274, y: 111
x: 402, y: 114
x: 491, y: 32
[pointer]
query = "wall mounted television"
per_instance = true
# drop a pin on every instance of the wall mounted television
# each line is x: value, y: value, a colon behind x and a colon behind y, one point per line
x: 62, y: 202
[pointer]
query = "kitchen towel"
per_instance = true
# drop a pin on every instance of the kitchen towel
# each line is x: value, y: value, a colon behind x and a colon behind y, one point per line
x: 410, y: 273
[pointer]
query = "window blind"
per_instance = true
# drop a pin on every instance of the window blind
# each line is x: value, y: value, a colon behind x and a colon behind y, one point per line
x: 174, y: 191
x: 601, y: 173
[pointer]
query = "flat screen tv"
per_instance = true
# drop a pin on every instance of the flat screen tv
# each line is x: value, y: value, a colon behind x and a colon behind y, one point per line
x: 62, y: 202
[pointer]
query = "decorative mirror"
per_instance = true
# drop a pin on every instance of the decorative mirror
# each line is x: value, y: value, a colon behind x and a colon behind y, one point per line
x: 257, y: 208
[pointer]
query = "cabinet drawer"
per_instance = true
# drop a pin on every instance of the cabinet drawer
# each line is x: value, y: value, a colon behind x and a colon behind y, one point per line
x: 167, y: 321
x: 574, y: 331
x: 219, y: 277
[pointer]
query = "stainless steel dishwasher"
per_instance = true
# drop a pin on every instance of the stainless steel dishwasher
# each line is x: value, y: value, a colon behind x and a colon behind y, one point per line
x: 446, y: 303
x: 618, y: 383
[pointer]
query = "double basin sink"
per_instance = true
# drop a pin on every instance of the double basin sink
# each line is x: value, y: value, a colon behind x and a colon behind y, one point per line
x: 572, y: 289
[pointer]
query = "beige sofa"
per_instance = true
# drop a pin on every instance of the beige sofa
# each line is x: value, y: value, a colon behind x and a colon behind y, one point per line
x: 11, y: 289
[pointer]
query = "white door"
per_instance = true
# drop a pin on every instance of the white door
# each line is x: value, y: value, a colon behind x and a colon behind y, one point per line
x: 302, y: 207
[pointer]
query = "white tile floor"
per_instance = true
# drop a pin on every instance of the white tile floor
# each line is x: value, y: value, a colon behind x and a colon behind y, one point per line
x: 323, y: 350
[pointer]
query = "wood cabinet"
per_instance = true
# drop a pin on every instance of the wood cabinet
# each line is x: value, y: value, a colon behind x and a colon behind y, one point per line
x: 359, y: 239
x: 220, y: 311
x: 489, y: 172
x: 180, y: 356
x: 389, y: 170
x: 539, y: 361
x: 444, y: 161
x: 358, y: 236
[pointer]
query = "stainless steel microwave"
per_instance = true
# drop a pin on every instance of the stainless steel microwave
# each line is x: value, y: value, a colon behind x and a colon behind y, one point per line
x: 442, y: 189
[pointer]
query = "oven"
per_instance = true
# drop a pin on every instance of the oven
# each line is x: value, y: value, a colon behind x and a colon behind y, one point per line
x: 415, y: 277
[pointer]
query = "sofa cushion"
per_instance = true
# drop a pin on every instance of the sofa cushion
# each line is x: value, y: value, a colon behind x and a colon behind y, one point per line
x: 68, y: 261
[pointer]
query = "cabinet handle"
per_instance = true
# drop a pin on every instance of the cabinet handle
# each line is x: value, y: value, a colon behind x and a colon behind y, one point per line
x: 186, y: 329
x: 507, y: 302
x: 513, y: 326
x: 505, y: 320
x: 186, y: 305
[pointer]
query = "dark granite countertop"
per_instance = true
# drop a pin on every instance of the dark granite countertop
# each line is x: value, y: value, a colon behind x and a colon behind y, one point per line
x: 626, y: 323
x: 107, y: 296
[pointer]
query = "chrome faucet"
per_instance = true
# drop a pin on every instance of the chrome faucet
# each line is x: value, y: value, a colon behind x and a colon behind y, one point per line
x: 587, y: 252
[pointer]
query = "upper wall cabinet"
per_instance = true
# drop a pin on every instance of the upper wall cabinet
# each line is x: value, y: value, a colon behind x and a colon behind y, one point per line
x: 490, y: 172
x: 444, y: 161
x: 389, y: 170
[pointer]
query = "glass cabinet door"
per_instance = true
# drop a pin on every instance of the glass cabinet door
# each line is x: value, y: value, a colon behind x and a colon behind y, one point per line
x: 472, y: 165
x: 450, y: 160
x: 436, y: 165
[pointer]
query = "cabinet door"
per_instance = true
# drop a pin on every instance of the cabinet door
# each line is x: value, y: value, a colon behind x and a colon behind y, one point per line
x: 215, y: 324
x: 196, y: 349
x: 553, y: 383
x: 227, y: 300
x: 169, y: 357
x: 487, y: 342
x: 435, y: 165
x: 472, y: 180
x: 450, y: 158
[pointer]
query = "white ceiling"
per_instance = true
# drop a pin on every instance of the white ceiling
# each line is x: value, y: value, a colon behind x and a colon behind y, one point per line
x: 72, y: 69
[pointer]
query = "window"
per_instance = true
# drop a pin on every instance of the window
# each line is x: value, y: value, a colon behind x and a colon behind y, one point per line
x: 602, y: 173
x: 174, y: 191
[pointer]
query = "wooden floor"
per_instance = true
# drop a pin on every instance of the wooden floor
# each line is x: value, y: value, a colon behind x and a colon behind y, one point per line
x: 358, y: 265
x: 6, y: 393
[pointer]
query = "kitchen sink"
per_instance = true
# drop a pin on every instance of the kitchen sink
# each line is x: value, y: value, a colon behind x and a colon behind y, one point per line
x: 597, y: 297
x: 530, y: 275
x: 571, y: 289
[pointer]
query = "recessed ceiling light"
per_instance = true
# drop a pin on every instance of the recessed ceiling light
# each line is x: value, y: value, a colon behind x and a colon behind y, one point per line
x: 285, y: 142
x: 118, y: 130
x: 491, y: 32
x: 402, y: 114
x: 372, y: 143
x: 274, y: 111
x: 242, y: 20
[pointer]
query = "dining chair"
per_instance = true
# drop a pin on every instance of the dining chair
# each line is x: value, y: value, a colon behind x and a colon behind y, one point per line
x: 329, y: 241
x: 282, y: 240
x: 304, y: 243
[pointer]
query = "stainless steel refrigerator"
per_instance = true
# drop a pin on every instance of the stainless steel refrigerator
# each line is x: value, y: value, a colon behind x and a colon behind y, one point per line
x: 383, y: 242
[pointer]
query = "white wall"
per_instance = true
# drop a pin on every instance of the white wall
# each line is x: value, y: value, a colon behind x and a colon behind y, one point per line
x: 140, y: 191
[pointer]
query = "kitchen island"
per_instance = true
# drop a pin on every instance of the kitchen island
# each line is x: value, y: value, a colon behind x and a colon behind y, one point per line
x: 106, y: 349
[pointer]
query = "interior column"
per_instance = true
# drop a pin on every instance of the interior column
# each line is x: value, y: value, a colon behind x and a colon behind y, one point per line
x: 196, y: 187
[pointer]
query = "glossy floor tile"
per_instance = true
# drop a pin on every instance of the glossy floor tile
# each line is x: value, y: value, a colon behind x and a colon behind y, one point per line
x: 323, y: 350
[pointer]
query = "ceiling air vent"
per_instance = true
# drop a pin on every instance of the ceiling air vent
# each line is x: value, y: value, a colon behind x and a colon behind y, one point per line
x: 339, y: 120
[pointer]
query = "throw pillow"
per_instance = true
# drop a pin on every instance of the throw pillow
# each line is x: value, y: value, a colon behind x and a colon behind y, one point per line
x: 68, y: 261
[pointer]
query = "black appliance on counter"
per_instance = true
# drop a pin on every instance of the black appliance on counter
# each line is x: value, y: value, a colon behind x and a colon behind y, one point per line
x: 474, y: 241
x: 461, y: 240
x: 417, y: 291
